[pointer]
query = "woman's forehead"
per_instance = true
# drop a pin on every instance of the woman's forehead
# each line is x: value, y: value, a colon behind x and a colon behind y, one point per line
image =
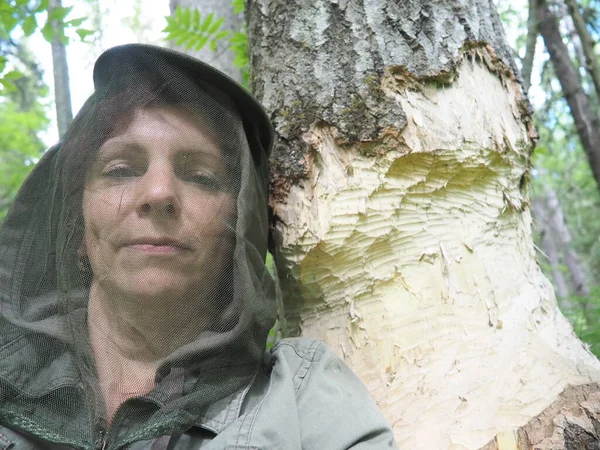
x: 170, y: 128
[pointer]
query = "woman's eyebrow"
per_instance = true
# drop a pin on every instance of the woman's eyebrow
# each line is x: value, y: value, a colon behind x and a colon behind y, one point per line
x: 198, y: 154
x: 118, y: 148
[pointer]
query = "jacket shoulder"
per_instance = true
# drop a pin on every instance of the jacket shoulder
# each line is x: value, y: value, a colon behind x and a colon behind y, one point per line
x: 335, y: 409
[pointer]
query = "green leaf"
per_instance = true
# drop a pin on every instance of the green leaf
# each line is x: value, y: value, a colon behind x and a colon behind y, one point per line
x: 9, y: 22
x: 83, y: 33
x: 182, y: 41
x: 59, y: 14
x: 8, y: 85
x: 200, y: 43
x: 42, y: 6
x: 64, y: 40
x: 196, y: 20
x: 216, y: 25
x: 206, y: 23
x: 48, y: 32
x: 76, y: 22
x: 29, y: 25
x: 3, y: 61
x: 187, y: 17
x: 12, y: 75
x: 238, y: 6
x: 238, y: 37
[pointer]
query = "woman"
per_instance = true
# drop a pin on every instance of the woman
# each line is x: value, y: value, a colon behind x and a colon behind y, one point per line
x: 135, y: 300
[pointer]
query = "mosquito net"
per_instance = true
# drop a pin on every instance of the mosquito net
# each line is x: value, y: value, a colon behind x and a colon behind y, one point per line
x: 132, y: 277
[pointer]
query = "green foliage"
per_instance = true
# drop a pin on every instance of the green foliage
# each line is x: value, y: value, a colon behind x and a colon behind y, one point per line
x: 22, y: 92
x: 560, y: 165
x: 25, y: 15
x: 192, y: 31
x: 585, y: 318
x: 188, y: 28
x: 20, y: 148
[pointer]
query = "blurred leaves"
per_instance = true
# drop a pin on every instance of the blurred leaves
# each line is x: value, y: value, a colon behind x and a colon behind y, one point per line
x: 188, y: 28
x: 22, y: 117
x: 560, y: 164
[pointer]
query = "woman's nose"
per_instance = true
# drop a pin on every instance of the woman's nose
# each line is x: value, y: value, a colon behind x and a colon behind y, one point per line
x: 158, y: 193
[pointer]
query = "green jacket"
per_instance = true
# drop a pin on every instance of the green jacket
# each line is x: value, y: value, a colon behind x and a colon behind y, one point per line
x: 305, y: 397
x: 213, y: 386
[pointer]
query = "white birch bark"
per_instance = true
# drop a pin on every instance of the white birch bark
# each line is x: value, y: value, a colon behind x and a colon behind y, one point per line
x: 401, y: 212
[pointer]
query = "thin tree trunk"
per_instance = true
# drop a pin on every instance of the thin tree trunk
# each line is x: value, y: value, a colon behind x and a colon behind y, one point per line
x: 572, y: 260
x: 62, y: 91
x: 549, y: 246
x: 586, y: 122
x: 532, y: 35
x: 572, y: 36
x: 587, y: 44
x: 223, y: 57
x: 401, y: 217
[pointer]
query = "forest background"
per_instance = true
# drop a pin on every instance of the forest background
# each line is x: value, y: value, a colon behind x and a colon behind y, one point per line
x: 47, y: 50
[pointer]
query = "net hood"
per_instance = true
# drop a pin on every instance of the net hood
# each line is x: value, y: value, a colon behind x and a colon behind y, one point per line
x: 133, y: 289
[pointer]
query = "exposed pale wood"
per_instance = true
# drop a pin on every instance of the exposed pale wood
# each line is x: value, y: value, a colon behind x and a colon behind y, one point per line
x: 401, y: 212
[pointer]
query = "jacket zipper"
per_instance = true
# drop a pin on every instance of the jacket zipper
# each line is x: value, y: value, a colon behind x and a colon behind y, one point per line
x: 102, y: 444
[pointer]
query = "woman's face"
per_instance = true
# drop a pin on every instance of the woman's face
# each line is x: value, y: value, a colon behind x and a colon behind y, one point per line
x: 158, y: 210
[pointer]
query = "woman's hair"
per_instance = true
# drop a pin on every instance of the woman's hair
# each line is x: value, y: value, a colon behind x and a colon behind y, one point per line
x: 110, y: 110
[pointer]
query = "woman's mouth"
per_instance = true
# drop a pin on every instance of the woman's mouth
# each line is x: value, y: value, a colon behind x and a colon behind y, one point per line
x: 157, y: 245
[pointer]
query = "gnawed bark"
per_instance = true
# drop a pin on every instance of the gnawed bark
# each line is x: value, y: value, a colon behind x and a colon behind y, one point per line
x: 401, y: 216
x: 586, y: 122
x: 571, y: 422
x: 223, y: 57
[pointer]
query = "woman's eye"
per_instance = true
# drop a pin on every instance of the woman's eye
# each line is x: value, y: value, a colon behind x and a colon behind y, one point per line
x: 122, y: 171
x: 205, y: 181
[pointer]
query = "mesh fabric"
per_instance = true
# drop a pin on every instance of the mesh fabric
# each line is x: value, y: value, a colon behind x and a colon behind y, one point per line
x: 132, y: 279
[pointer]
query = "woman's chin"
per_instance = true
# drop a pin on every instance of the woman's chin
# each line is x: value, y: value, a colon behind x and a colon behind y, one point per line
x: 152, y: 286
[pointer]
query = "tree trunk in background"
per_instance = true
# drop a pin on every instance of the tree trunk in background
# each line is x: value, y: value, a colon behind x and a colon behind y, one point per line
x: 571, y: 35
x: 223, y: 58
x: 62, y: 91
x: 586, y: 122
x: 587, y: 44
x: 532, y: 35
x: 401, y: 218
x: 572, y: 261
x: 557, y: 243
x: 548, y: 243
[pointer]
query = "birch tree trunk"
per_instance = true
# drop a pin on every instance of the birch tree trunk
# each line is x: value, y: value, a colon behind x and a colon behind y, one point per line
x: 401, y: 215
x: 62, y: 90
x: 223, y: 58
